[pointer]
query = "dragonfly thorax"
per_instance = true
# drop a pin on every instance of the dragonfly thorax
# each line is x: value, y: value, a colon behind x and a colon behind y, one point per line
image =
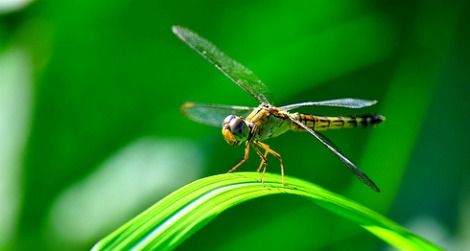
x: 235, y: 130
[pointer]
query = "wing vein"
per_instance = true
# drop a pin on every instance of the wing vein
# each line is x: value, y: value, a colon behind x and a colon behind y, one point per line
x: 343, y: 102
x: 235, y: 71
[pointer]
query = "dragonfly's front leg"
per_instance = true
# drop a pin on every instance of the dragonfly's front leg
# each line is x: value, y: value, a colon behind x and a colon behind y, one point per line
x: 275, y: 154
x: 245, y: 158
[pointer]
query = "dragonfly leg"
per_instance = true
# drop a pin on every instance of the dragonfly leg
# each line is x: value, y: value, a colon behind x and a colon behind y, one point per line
x: 245, y: 158
x: 275, y: 154
x: 264, y: 161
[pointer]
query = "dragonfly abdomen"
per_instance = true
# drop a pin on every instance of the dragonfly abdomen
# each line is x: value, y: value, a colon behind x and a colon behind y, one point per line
x: 321, y: 123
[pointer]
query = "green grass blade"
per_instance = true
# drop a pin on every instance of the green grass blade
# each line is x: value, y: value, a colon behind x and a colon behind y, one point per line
x: 173, y: 219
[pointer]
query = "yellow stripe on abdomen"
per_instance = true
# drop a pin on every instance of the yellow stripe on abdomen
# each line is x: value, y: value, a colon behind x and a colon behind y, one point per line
x: 322, y: 123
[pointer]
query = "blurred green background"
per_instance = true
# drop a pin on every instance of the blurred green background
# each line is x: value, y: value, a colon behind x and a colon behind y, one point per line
x: 91, y: 133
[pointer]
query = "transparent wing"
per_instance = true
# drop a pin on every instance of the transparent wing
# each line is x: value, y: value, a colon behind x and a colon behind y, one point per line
x: 360, y: 174
x: 213, y: 115
x: 343, y: 102
x: 238, y: 73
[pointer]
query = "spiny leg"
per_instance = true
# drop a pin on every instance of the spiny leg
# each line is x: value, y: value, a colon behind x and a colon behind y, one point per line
x: 275, y: 154
x: 264, y: 161
x: 245, y: 158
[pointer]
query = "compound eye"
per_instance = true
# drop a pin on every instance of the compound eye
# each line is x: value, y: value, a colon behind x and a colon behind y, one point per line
x: 237, y: 126
x: 228, y: 119
x: 235, y: 130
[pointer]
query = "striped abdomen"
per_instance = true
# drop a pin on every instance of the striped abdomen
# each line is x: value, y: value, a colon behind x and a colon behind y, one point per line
x: 320, y: 123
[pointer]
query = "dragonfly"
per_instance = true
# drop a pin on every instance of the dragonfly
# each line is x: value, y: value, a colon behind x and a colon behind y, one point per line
x: 252, y: 126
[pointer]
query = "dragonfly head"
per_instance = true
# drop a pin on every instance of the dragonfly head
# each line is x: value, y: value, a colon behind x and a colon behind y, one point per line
x: 235, y: 130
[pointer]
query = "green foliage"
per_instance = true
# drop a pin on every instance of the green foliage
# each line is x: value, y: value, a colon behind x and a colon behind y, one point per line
x: 82, y: 82
x: 172, y: 220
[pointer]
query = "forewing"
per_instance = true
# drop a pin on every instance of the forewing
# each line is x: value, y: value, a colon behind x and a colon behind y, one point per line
x: 343, y: 102
x: 238, y: 73
x: 213, y: 115
x: 360, y: 174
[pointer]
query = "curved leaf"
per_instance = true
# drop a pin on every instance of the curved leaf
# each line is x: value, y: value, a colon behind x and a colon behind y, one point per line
x: 173, y: 219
